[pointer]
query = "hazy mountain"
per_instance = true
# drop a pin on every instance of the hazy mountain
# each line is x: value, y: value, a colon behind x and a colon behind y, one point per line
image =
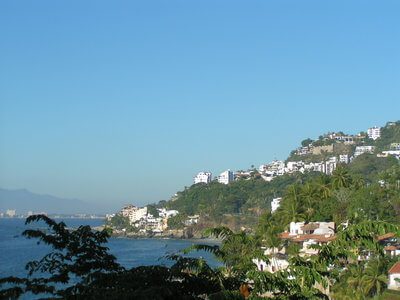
x: 23, y: 201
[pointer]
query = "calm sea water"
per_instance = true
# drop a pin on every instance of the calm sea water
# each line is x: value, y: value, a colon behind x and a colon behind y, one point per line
x: 16, y: 250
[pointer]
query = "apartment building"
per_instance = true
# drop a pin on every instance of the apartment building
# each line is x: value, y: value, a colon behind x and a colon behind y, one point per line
x: 226, y: 177
x: 134, y: 213
x: 374, y: 132
x: 203, y: 177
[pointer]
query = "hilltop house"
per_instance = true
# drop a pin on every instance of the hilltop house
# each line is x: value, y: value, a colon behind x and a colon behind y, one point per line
x: 202, y: 177
x: 374, y: 132
x: 226, y: 177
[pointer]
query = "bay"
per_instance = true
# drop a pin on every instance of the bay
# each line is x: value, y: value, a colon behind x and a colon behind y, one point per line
x: 16, y: 250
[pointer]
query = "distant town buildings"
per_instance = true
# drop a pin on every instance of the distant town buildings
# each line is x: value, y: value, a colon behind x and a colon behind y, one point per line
x: 374, y: 132
x: 11, y: 213
x: 335, y: 144
x: 144, y: 221
x: 226, y: 177
x: 203, y: 177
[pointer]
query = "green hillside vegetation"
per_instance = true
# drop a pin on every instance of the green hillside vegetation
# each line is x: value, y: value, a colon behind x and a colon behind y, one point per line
x: 250, y: 197
x: 389, y: 134
x: 338, y: 149
x: 369, y: 166
x: 342, y: 197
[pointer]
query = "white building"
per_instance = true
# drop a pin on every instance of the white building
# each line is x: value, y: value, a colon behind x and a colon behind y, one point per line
x: 394, y: 273
x: 191, y: 220
x: 274, y: 265
x: 164, y: 213
x: 203, y: 177
x: 134, y: 213
x: 395, y: 153
x: 276, y: 202
x: 226, y: 177
x: 294, y: 166
x: 11, y: 213
x: 344, y: 158
x: 364, y: 149
x: 109, y: 216
x: 374, y: 133
x: 395, y: 146
x: 321, y: 228
x: 330, y: 165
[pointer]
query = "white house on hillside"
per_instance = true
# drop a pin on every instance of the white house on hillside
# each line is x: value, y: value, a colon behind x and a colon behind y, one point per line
x: 203, y: 177
x: 394, y: 273
x: 364, y: 149
x: 226, y: 177
x: 374, y: 133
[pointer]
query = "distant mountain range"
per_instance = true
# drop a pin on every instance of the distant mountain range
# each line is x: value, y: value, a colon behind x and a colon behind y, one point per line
x: 23, y: 201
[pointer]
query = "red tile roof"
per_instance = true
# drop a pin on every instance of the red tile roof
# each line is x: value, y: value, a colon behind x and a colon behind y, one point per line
x: 284, y: 235
x: 390, y: 248
x: 386, y: 236
x: 319, y: 238
x: 395, y: 269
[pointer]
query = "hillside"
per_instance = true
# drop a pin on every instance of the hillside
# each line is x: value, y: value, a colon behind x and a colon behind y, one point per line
x: 336, y: 143
x: 246, y: 199
x: 249, y: 197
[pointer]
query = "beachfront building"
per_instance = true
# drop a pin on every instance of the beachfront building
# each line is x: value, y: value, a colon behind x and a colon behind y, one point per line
x: 134, y: 213
x: 374, y: 132
x: 226, y: 177
x: 203, y: 177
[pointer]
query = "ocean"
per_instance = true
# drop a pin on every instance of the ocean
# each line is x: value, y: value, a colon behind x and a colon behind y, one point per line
x: 16, y: 250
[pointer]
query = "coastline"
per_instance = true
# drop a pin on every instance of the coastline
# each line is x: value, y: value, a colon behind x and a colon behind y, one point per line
x: 178, y: 234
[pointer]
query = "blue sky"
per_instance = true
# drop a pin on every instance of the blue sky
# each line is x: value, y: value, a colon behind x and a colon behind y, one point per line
x: 124, y: 101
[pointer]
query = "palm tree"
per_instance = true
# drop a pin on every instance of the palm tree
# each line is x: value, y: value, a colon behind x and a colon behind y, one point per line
x: 358, y: 182
x: 341, y: 178
x: 324, y: 187
x: 236, y: 251
x: 308, y: 194
x: 374, y: 279
x: 292, y: 208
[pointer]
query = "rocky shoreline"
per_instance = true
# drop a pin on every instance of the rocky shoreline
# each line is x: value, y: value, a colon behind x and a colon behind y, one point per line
x: 186, y: 233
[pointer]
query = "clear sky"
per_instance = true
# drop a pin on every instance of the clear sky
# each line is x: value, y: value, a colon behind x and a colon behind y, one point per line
x: 124, y: 101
